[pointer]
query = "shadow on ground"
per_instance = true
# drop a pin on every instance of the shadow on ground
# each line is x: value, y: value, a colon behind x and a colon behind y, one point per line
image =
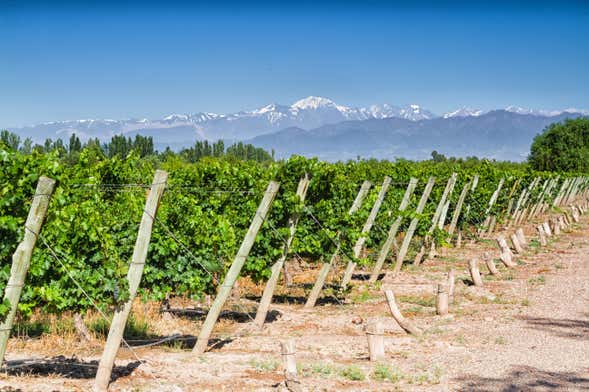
x: 237, y: 316
x: 64, y: 367
x: 565, y: 328
x: 526, y: 378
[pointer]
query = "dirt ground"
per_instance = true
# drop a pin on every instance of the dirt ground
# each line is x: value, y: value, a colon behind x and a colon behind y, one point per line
x: 526, y: 330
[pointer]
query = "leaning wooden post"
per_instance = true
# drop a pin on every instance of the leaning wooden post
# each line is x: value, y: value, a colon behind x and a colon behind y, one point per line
x: 233, y: 273
x: 413, y: 225
x: 375, y: 336
x: 278, y: 266
x: 21, y: 259
x: 442, y: 300
x: 365, y: 230
x: 326, y: 267
x: 490, y: 263
x: 475, y: 274
x: 117, y: 326
x: 516, y: 245
x: 506, y: 254
x: 392, y: 233
x: 521, y: 237
x: 439, y: 212
x: 542, y: 235
x: 398, y: 316
x: 458, y: 209
x: 547, y: 229
x: 492, y: 201
x: 320, y: 281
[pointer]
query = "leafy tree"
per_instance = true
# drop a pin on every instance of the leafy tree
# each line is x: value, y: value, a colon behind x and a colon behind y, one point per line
x: 11, y: 140
x: 437, y: 157
x: 562, y: 146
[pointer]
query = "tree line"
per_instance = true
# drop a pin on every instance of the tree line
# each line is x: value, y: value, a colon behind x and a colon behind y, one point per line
x: 121, y: 146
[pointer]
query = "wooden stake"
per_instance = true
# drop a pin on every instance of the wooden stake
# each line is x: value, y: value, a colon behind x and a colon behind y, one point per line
x: 413, y: 225
x: 442, y: 300
x: 506, y: 255
x: 320, y: 282
x: 233, y: 273
x: 437, y: 217
x: 458, y: 209
x: 365, y: 231
x: 516, y: 244
x: 547, y: 229
x: 396, y: 313
x: 555, y: 226
x: 392, y: 233
x: 21, y: 259
x: 287, y: 348
x: 117, y: 326
x: 521, y: 237
x: 451, y: 284
x: 459, y: 240
x: 475, y: 274
x: 278, y: 266
x: 327, y: 267
x: 375, y: 336
x: 542, y: 235
x: 490, y: 264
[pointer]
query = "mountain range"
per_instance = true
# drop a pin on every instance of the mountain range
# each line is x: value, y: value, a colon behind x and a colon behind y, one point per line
x: 317, y: 126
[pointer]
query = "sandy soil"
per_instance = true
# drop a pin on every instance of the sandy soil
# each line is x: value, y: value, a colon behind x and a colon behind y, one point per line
x: 527, y: 329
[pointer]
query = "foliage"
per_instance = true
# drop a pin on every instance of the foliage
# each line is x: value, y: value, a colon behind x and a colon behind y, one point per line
x: 204, y: 214
x: 562, y: 146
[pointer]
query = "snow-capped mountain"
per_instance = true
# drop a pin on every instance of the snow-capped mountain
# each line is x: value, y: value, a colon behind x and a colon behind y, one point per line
x: 544, y: 113
x: 179, y: 130
x: 307, y: 113
x: 464, y: 112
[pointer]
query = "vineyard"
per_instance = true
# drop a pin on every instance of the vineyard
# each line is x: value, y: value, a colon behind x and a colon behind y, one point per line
x: 224, y: 237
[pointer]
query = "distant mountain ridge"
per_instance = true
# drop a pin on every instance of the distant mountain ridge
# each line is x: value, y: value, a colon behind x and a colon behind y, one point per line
x: 498, y: 134
x: 262, y: 124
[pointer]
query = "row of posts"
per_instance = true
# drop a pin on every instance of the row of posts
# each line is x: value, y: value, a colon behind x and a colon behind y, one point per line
x: 525, y: 207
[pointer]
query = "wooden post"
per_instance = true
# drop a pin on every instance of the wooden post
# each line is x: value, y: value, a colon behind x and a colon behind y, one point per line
x: 475, y: 274
x: 492, y: 223
x: 365, y: 231
x: 547, y: 229
x: 318, y: 286
x: 521, y: 237
x: 442, y: 300
x: 451, y: 284
x: 542, y: 235
x: 320, y: 282
x: 490, y: 264
x: 375, y: 336
x: 364, y: 188
x: 506, y: 255
x: 458, y: 209
x: 459, y: 239
x: 438, y: 215
x: 392, y: 233
x: 278, y: 266
x: 492, y: 201
x: 516, y: 244
x: 21, y: 259
x: 287, y: 348
x: 233, y: 273
x: 117, y: 326
x: 555, y: 226
x: 398, y: 316
x: 413, y: 225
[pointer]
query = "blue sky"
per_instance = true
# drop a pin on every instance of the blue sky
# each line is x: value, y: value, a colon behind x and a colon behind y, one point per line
x: 100, y: 60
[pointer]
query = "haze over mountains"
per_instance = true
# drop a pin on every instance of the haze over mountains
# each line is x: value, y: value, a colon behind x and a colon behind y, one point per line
x: 316, y: 126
